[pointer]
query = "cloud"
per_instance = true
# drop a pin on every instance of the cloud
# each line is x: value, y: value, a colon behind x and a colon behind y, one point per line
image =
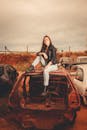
x: 26, y: 22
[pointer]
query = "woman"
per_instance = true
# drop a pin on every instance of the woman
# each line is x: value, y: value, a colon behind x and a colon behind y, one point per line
x: 47, y: 56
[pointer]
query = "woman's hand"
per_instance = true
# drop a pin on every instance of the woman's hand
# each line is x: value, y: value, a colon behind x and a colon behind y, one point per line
x: 40, y: 53
x: 48, y: 65
x: 44, y: 55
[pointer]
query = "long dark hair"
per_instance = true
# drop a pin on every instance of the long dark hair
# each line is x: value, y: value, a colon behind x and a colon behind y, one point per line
x: 43, y: 44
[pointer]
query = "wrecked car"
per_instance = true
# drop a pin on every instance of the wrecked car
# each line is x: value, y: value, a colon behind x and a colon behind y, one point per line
x: 80, y: 81
x: 66, y: 62
x: 60, y: 104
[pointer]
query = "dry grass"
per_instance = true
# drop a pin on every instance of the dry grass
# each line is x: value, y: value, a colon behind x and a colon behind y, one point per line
x: 23, y: 60
x: 20, y: 61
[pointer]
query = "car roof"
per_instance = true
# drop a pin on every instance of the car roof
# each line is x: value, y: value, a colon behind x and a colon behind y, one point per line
x: 60, y: 72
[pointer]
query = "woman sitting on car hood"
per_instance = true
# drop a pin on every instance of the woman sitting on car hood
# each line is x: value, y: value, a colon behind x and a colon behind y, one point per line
x: 47, y: 56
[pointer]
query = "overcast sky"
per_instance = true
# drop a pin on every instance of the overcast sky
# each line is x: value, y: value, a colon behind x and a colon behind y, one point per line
x: 25, y: 22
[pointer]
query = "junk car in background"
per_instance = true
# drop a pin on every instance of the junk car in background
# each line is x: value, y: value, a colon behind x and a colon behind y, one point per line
x: 44, y: 112
x: 8, y: 76
x: 80, y: 81
x: 66, y: 62
x: 82, y: 59
x: 80, y: 77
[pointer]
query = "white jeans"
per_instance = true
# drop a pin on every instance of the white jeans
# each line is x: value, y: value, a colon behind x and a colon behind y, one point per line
x: 46, y: 71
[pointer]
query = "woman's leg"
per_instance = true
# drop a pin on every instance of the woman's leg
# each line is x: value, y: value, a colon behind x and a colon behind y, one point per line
x: 46, y: 76
x: 46, y: 73
x: 37, y: 60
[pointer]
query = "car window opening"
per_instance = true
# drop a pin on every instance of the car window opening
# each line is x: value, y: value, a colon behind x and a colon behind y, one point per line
x: 32, y: 87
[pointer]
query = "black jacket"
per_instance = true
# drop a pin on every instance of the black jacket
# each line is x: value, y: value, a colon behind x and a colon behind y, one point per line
x: 51, y: 53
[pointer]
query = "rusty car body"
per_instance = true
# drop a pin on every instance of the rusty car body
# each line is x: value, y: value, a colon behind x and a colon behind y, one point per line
x: 44, y: 112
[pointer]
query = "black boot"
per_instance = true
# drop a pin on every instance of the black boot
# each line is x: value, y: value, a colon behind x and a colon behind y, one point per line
x: 30, y: 69
x: 44, y: 93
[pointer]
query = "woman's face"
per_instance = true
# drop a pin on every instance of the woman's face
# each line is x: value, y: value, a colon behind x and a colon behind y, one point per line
x: 46, y: 41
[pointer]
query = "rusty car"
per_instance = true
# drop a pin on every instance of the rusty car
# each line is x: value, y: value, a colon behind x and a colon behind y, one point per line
x: 59, y: 105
